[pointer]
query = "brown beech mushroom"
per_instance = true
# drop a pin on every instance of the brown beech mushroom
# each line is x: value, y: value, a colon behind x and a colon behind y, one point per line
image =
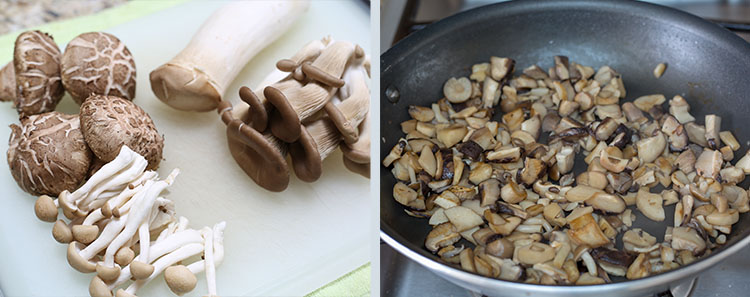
x: 198, y: 76
x: 261, y: 155
x: 98, y: 63
x: 47, y: 154
x: 179, y: 279
x: 36, y: 62
x: 109, y: 122
x: 294, y: 101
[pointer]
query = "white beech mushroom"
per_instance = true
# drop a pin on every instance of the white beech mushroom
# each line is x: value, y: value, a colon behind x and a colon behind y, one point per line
x: 321, y: 137
x: 294, y: 101
x: 47, y: 153
x: 110, y: 122
x: 97, y: 63
x: 196, y: 79
x: 36, y: 62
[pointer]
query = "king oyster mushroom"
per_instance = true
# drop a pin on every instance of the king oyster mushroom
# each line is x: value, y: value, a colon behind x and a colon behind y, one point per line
x: 98, y: 63
x: 47, y: 153
x: 109, y: 122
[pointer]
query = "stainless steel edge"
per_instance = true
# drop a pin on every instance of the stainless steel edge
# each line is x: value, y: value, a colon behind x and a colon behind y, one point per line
x: 495, y: 287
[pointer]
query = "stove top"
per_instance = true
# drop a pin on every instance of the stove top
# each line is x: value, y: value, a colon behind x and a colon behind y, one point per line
x: 402, y: 277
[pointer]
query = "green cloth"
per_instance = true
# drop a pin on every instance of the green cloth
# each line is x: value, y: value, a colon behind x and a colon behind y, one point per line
x: 355, y: 283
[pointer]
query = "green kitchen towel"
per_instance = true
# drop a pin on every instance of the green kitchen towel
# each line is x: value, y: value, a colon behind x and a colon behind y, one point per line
x: 355, y: 283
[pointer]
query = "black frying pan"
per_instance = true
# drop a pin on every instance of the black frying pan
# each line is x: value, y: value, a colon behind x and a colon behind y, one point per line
x: 707, y: 64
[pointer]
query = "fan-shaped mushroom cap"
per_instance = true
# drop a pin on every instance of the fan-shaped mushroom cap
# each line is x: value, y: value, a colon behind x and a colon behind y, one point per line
x: 109, y: 122
x: 306, y: 160
x: 179, y: 279
x: 98, y: 63
x: 361, y: 169
x: 36, y: 62
x: 257, y: 114
x: 359, y: 152
x: 260, y: 155
x: 47, y: 153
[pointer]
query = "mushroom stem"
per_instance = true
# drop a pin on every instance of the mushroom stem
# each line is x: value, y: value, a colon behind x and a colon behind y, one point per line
x: 197, y: 77
x: 208, y: 255
x: 260, y: 155
x: 319, y: 138
x: 295, y: 102
x: 8, y: 83
x: 167, y: 260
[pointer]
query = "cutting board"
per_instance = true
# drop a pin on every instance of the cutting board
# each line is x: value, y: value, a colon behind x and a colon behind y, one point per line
x: 280, y: 244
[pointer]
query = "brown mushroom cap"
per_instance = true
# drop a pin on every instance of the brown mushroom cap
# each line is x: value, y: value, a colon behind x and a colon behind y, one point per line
x: 361, y: 169
x: 285, y: 123
x: 141, y: 270
x: 260, y: 155
x: 317, y: 141
x: 98, y: 63
x: 109, y: 122
x: 108, y: 273
x: 179, y: 279
x: 47, y: 153
x: 36, y: 60
x: 8, y: 83
x: 45, y: 209
x: 76, y: 261
x: 97, y: 288
x: 345, y: 127
x: 359, y: 151
x: 85, y: 234
x: 257, y: 115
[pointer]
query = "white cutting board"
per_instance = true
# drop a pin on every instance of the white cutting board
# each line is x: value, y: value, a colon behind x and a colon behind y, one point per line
x: 281, y: 244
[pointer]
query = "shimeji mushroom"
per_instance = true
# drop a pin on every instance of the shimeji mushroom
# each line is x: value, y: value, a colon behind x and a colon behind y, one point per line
x: 47, y: 153
x: 36, y: 74
x: 261, y: 155
x: 110, y: 122
x: 320, y: 138
x: 196, y: 79
x: 97, y: 63
x: 295, y: 101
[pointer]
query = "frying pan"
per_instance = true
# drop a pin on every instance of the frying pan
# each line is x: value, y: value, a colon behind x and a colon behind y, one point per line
x: 707, y: 64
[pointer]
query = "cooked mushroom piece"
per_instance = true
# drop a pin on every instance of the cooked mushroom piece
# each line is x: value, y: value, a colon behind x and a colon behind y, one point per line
x: 534, y: 253
x: 614, y: 262
x: 489, y: 191
x: 709, y: 164
x: 650, y: 205
x: 686, y: 238
x: 713, y: 127
x: 500, y: 67
x: 457, y: 90
x: 680, y: 109
x: 499, y: 247
x: 442, y: 235
x: 651, y: 148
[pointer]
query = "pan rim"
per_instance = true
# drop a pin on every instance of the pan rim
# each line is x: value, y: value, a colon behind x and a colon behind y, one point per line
x: 688, y: 22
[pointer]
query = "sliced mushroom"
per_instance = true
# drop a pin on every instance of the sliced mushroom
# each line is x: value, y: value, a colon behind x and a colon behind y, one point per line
x: 513, y: 192
x: 680, y: 109
x: 709, y: 164
x: 713, y: 127
x: 607, y: 202
x: 688, y: 239
x: 650, y: 205
x: 420, y: 113
x: 463, y: 218
x: 534, y: 253
x: 651, y: 148
x: 457, y: 90
x: 441, y: 236
x: 489, y: 190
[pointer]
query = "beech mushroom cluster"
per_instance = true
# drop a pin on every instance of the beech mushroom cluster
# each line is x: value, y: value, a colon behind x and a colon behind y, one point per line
x: 320, y: 104
x: 119, y: 210
x: 93, y: 63
x: 528, y: 214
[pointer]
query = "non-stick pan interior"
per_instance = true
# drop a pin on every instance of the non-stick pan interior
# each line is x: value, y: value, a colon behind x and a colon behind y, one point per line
x: 706, y: 64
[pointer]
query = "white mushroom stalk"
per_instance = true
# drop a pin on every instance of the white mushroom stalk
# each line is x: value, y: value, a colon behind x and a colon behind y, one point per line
x: 198, y: 76
x: 124, y: 202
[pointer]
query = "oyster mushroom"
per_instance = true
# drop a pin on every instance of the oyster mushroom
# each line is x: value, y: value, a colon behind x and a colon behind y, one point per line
x: 321, y: 137
x: 36, y: 62
x: 98, y: 63
x: 47, y: 153
x: 109, y: 122
x: 294, y: 102
x: 198, y: 76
